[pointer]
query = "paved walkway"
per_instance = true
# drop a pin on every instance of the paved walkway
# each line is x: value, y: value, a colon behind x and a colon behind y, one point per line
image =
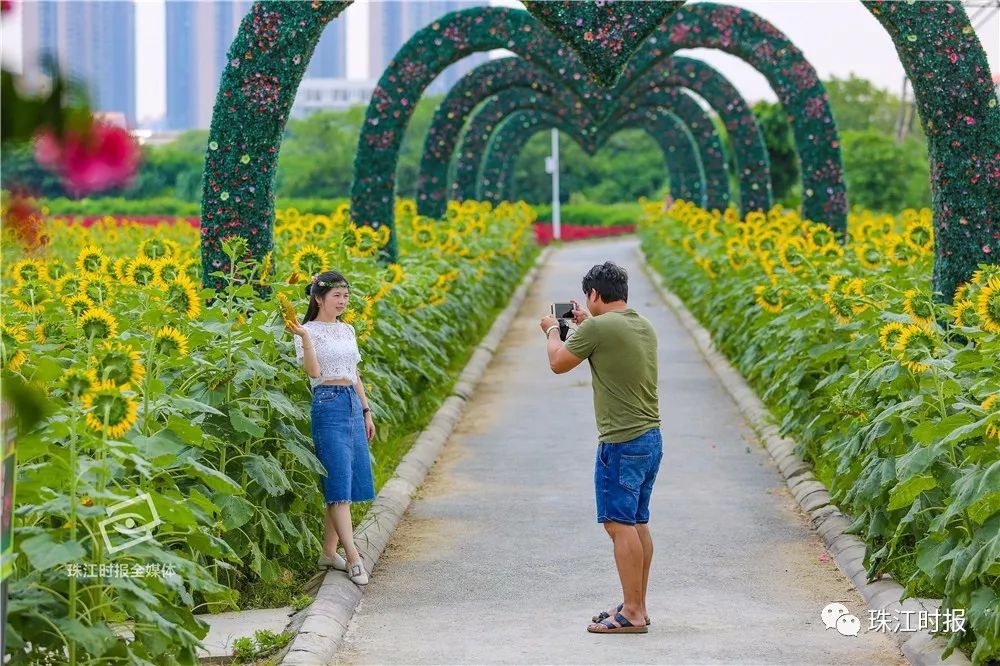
x: 500, y: 558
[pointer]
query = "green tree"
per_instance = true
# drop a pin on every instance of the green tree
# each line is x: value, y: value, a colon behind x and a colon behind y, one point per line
x: 858, y: 104
x: 883, y: 175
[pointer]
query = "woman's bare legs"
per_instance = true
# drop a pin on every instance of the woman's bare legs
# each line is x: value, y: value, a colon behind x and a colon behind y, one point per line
x: 341, y: 512
x: 330, y: 537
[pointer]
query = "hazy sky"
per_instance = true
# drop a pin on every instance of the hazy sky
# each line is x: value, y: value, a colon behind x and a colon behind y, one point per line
x: 837, y: 36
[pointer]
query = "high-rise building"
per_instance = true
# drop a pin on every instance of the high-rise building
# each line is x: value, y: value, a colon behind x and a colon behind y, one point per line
x: 91, y: 42
x: 198, y: 35
x: 392, y: 23
x: 329, y: 59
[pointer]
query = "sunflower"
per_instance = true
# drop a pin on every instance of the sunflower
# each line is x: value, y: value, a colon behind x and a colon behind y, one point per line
x: 12, y: 336
x: 91, y: 260
x: 55, y: 269
x: 899, y: 252
x: 791, y: 253
x: 367, y: 242
x: 451, y: 242
x: 118, y: 362
x: 182, y: 296
x: 31, y: 297
x: 820, y: 235
x: 97, y: 323
x: 118, y: 270
x: 989, y: 405
x: 869, y: 255
x: 169, y: 341
x: 919, y: 235
x: 77, y: 381
x: 168, y: 268
x: 394, y: 274
x: 916, y: 344
x: 319, y: 226
x: 111, y: 409
x: 888, y: 337
x: 982, y: 275
x: 310, y: 260
x: 965, y: 314
x: 423, y: 236
x: 961, y: 292
x: 68, y: 284
x: 154, y: 248
x: 48, y: 328
x: 918, y: 307
x: 265, y: 269
x: 28, y: 270
x: 770, y: 297
x: 988, y: 305
x: 286, y: 308
x: 143, y: 272
x: 97, y: 288
x: 77, y: 304
x: 839, y: 297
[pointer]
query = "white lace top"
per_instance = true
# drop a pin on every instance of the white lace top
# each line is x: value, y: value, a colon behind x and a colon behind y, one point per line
x: 336, y: 350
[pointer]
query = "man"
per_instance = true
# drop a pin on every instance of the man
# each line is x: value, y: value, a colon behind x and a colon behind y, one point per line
x: 621, y: 347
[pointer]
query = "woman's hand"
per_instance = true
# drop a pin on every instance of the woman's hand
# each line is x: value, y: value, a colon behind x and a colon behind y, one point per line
x: 369, y: 426
x: 296, y: 328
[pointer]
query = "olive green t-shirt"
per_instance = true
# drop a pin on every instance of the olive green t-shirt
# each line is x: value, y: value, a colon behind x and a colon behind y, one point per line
x: 621, y: 348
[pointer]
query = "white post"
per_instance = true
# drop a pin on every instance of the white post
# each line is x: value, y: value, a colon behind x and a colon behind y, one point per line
x: 555, y: 184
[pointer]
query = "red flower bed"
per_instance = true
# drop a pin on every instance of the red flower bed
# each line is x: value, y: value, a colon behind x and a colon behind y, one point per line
x: 572, y: 232
x: 151, y: 220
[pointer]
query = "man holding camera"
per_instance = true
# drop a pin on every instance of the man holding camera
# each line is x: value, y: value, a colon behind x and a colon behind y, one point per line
x: 620, y: 345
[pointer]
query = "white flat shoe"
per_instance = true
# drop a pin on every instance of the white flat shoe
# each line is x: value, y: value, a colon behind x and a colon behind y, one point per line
x: 357, y: 574
x: 337, y: 561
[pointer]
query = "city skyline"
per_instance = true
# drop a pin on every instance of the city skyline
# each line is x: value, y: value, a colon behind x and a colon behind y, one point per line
x: 821, y: 29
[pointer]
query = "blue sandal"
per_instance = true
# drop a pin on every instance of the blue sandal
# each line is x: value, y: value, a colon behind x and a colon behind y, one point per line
x: 603, y: 615
x: 624, y: 626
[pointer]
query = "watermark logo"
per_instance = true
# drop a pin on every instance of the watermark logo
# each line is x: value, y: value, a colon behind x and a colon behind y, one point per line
x: 836, y: 616
x: 134, y: 519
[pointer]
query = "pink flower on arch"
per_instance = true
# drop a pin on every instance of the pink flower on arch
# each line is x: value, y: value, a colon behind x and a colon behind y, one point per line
x: 102, y: 157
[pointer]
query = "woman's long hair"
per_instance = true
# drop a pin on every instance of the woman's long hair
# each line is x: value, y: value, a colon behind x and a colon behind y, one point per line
x: 315, y: 291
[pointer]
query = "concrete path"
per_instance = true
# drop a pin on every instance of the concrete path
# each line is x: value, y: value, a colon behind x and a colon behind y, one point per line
x: 500, y: 558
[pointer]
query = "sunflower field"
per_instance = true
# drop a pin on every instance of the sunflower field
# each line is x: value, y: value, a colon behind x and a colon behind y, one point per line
x: 185, y: 407
x: 893, y: 396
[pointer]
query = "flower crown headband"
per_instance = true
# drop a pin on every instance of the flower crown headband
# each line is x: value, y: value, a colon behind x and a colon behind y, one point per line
x: 325, y: 283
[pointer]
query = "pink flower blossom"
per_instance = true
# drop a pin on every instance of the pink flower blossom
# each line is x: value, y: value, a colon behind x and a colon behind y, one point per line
x: 105, y: 156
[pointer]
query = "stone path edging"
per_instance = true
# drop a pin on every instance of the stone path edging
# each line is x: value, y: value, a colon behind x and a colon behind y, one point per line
x: 327, y: 617
x: 920, y: 648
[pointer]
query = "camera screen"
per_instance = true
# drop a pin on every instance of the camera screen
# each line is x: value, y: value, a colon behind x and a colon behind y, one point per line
x: 563, y: 310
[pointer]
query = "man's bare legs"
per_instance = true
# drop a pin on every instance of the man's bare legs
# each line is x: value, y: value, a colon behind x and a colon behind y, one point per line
x: 647, y: 559
x: 646, y: 542
x: 629, y: 558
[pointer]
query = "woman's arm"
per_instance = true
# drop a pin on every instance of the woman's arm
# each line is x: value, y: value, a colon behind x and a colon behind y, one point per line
x: 359, y: 386
x: 304, y: 348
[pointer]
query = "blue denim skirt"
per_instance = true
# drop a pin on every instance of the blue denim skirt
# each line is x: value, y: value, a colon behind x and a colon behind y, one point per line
x: 341, y: 444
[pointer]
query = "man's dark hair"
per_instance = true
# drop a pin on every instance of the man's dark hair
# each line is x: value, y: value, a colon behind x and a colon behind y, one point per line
x: 609, y: 279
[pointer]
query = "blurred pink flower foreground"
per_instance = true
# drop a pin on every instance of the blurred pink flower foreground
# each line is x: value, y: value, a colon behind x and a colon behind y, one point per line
x: 106, y: 157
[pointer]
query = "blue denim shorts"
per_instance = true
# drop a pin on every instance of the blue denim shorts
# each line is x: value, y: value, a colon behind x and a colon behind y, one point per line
x: 623, y: 477
x: 341, y: 444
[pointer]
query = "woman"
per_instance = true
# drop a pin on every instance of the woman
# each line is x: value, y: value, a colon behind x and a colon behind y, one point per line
x: 342, y: 423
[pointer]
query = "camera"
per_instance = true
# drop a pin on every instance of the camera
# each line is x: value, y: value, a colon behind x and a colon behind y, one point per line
x: 564, y: 313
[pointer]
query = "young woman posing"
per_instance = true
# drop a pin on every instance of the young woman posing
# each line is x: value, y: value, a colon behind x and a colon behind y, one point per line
x: 342, y: 423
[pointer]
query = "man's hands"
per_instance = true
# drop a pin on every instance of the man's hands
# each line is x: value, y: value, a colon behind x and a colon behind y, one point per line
x: 547, y: 321
x: 579, y: 314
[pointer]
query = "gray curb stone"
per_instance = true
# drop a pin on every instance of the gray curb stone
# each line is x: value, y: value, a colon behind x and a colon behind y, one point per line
x: 920, y: 648
x: 326, y: 619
